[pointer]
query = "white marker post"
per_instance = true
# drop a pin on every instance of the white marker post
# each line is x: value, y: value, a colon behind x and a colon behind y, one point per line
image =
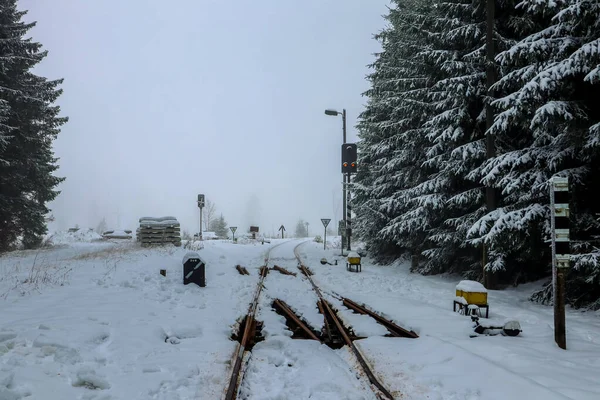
x: 559, y: 208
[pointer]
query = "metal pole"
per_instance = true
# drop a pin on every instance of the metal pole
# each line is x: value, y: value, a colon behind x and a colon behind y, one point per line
x: 325, y: 240
x: 349, y: 217
x: 200, y: 232
x: 344, y: 180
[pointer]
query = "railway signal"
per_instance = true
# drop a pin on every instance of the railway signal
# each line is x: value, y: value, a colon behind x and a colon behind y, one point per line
x: 349, y: 167
x: 349, y: 158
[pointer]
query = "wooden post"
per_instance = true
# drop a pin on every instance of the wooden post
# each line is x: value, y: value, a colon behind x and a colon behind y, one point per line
x: 560, y: 328
x: 559, y: 204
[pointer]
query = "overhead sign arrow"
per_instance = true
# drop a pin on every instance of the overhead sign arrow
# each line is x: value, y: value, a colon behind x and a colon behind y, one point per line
x: 282, y: 229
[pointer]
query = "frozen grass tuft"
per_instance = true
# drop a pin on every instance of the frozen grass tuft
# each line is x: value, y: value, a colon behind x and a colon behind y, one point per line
x: 24, y: 279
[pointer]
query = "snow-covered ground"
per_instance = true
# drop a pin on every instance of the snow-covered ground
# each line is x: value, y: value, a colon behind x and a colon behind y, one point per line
x: 445, y: 363
x: 101, y: 335
x: 96, y: 320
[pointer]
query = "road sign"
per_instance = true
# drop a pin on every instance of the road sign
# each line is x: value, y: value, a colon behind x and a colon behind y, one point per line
x: 233, y: 229
x: 282, y: 229
x: 341, y: 227
x: 254, y: 229
x: 325, y: 222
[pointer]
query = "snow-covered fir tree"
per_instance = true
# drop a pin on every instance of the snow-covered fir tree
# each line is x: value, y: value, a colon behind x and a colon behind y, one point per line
x: 549, y: 124
x: 219, y: 227
x: 29, y: 122
x: 391, y: 132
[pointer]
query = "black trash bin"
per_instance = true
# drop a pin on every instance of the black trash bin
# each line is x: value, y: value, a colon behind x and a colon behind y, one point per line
x: 194, y: 269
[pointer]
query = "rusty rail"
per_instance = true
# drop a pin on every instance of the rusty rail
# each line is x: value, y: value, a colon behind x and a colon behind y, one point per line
x: 248, y: 332
x: 250, y: 326
x: 324, y: 306
x: 285, y: 308
x: 394, y: 329
x: 363, y: 363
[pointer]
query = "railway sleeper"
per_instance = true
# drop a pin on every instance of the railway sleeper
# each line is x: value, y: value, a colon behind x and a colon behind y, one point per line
x: 255, y: 333
x: 299, y: 328
x: 242, y: 270
x: 283, y: 270
x: 264, y: 271
x: 305, y: 270
x: 331, y: 335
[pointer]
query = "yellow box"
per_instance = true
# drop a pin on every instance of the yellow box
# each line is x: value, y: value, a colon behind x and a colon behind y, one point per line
x: 354, y: 260
x: 472, y: 297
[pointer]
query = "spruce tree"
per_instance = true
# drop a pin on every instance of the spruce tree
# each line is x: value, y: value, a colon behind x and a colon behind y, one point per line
x: 219, y: 227
x: 29, y: 122
x: 392, y: 137
x: 549, y: 121
x: 301, y: 229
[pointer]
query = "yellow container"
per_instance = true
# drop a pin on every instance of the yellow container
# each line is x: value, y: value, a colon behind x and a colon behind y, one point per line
x: 472, y: 297
x: 354, y: 260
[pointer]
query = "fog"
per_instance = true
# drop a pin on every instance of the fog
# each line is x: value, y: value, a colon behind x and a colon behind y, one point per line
x: 226, y: 98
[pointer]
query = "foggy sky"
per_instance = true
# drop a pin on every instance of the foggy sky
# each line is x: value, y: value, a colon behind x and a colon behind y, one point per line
x: 170, y: 99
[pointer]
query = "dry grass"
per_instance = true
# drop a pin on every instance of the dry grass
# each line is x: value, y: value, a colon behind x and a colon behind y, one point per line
x: 41, y: 274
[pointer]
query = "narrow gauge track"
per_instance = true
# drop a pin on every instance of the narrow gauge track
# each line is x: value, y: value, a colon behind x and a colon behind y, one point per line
x: 331, y: 320
x: 249, y: 329
x: 327, y: 311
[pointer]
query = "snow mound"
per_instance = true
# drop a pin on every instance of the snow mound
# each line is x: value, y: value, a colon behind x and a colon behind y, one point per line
x: 194, y: 245
x: 119, y: 234
x: 62, y: 237
x: 471, y: 287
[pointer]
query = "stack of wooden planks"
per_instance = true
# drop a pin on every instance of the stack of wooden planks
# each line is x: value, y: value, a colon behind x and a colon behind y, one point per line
x: 157, y: 231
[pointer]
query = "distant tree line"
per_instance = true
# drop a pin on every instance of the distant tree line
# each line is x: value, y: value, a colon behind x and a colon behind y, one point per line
x: 424, y: 158
x: 29, y: 124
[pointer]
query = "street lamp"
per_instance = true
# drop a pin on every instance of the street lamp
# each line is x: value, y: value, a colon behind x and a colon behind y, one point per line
x: 335, y: 113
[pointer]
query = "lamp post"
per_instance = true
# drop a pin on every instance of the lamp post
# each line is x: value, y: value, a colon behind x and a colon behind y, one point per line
x: 335, y: 113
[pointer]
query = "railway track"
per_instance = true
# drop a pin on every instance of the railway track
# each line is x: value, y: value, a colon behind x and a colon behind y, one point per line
x: 334, y: 334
